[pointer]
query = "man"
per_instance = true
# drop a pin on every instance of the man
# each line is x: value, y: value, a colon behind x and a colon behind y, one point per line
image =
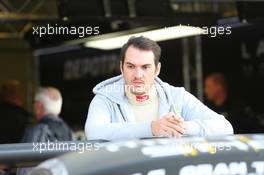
x: 234, y: 109
x: 50, y: 127
x: 47, y: 107
x: 14, y: 118
x: 216, y: 92
x: 138, y: 104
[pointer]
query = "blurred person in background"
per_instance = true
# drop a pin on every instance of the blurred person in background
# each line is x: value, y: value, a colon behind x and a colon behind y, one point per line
x: 13, y: 117
x: 50, y: 127
x: 220, y: 99
x: 3, y: 169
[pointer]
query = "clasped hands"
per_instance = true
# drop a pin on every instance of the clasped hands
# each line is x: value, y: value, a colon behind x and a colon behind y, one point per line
x: 170, y: 125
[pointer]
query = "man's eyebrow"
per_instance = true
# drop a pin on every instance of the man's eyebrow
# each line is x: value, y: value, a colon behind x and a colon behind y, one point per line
x: 133, y: 64
x: 146, y: 65
x: 129, y: 63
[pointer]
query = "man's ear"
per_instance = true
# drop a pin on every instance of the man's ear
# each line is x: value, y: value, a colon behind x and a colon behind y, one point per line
x: 121, y: 67
x: 158, y: 67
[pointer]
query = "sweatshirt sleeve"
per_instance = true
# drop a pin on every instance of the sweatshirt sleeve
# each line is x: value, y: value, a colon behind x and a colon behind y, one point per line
x: 201, y: 120
x: 99, y: 123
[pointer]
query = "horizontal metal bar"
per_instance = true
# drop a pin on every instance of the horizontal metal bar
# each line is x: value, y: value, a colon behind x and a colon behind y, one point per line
x: 4, y: 35
x: 26, y: 17
x: 31, y: 154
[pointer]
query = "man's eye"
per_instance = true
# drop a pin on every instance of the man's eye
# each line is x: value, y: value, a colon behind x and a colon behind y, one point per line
x: 130, y: 66
x: 145, y: 67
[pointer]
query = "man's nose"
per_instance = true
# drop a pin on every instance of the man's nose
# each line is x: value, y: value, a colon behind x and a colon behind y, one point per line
x: 138, y: 73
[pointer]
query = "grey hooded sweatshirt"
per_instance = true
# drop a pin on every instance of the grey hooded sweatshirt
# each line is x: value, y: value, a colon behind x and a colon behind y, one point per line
x: 110, y: 115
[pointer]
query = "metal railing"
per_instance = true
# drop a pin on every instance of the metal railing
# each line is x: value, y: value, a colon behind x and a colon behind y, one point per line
x: 31, y: 154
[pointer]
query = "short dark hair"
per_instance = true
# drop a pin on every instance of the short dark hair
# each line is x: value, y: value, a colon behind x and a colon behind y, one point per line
x: 142, y: 43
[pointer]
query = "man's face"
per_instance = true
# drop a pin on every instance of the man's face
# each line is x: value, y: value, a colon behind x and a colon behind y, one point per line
x: 139, y: 70
x: 211, y: 89
x: 38, y: 110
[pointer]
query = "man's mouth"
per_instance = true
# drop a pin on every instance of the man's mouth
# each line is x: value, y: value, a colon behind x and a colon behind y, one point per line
x: 138, y: 85
x: 138, y: 82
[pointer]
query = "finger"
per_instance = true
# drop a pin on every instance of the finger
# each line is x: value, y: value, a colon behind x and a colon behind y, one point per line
x: 174, y: 116
x: 167, y: 131
x: 176, y: 126
x: 168, y: 115
x: 179, y: 123
x: 163, y: 133
x: 175, y: 122
x: 178, y: 117
x: 172, y: 132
